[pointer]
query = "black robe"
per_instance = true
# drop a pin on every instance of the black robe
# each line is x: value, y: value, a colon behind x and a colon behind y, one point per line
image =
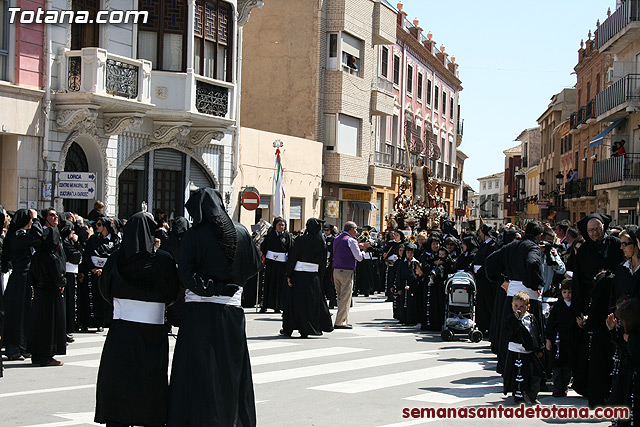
x: 47, y: 275
x: 435, y: 279
x: 328, y: 287
x: 211, y: 382
x: 305, y: 307
x: 273, y: 283
x: 590, y: 259
x: 133, y: 387
x: 390, y: 249
x: 93, y: 310
x: 633, y: 349
x: 520, y: 260
x: 485, y: 289
x: 408, y: 306
x: 18, y: 249
x: 596, y: 350
x: 522, y: 368
x: 561, y: 330
x: 73, y: 253
x: 366, y: 275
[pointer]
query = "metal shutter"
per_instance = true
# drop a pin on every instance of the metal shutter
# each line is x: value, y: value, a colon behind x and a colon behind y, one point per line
x: 139, y: 164
x: 168, y: 159
x: 295, y: 209
x: 199, y: 177
x: 265, y: 202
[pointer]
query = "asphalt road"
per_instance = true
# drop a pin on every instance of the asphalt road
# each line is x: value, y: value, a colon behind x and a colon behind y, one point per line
x: 372, y: 375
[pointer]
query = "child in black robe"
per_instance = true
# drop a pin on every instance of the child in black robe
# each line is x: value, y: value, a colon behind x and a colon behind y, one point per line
x: 561, y: 326
x: 524, y: 368
x: 407, y: 281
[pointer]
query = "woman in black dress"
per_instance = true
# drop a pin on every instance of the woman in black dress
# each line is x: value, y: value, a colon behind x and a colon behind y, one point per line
x: 93, y: 311
x: 305, y: 307
x: 23, y: 237
x: 139, y: 281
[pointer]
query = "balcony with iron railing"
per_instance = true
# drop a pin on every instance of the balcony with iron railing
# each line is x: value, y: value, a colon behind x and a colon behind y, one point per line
x: 621, y: 28
x: 612, y: 102
x: 591, y: 111
x: 440, y: 171
x: 581, y: 117
x: 582, y: 187
x: 97, y: 75
x: 402, y: 160
x: 617, y: 171
x: 573, y: 121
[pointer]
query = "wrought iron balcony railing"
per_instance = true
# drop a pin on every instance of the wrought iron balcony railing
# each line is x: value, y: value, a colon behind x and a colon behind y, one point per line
x: 582, y: 187
x: 628, y: 12
x: 625, y: 89
x: 616, y: 169
x: 96, y: 71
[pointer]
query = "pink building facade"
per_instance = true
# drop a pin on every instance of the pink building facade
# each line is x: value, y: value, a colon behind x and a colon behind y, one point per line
x: 426, y: 91
x: 22, y: 106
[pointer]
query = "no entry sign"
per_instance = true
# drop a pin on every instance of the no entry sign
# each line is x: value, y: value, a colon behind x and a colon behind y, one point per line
x: 250, y: 200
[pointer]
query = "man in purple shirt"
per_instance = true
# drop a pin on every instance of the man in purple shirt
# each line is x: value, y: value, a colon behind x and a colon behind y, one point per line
x: 346, y: 253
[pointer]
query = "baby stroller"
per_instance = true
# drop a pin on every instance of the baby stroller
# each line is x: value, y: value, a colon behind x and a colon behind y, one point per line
x: 460, y: 291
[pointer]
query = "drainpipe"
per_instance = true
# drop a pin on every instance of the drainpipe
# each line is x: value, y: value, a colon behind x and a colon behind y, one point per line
x: 47, y: 92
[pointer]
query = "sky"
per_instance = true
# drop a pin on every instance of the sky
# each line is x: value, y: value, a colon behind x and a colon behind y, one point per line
x: 513, y: 56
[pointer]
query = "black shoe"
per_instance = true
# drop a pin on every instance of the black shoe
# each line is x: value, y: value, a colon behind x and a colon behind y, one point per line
x: 263, y: 310
x: 70, y: 338
x: 342, y: 326
x: 276, y: 311
x: 331, y: 307
x: 285, y: 334
x: 100, y: 329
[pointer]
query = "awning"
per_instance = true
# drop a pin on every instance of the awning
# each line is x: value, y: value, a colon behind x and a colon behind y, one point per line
x: 598, y: 139
x: 364, y: 206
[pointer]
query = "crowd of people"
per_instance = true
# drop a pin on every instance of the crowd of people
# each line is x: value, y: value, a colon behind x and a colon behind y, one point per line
x: 558, y: 304
x: 137, y: 278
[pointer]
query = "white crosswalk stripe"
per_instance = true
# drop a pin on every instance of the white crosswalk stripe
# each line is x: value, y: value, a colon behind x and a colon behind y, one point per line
x: 332, y: 368
x: 401, y: 378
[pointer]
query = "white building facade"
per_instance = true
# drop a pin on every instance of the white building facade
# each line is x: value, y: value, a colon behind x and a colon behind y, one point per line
x: 151, y: 108
x: 490, y: 197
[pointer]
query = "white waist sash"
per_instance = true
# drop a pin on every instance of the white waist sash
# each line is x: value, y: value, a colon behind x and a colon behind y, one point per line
x: 476, y: 268
x: 216, y: 299
x: 98, y: 261
x: 72, y: 268
x: 517, y: 286
x: 151, y: 313
x: 308, y: 267
x: 276, y: 256
x: 366, y: 255
x: 517, y: 348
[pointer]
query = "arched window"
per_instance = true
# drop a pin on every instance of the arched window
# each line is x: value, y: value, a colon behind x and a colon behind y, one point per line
x: 76, y: 162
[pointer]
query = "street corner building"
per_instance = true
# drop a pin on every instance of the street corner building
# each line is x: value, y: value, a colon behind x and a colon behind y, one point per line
x: 148, y: 110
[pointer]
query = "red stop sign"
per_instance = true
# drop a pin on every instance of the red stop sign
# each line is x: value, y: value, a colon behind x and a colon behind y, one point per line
x: 250, y: 200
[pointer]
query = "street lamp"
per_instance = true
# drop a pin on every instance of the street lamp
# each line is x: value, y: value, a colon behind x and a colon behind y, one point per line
x: 559, y: 178
x: 542, y: 185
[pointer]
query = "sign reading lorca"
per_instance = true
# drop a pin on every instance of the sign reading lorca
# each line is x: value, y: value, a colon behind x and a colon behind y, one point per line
x: 77, y: 185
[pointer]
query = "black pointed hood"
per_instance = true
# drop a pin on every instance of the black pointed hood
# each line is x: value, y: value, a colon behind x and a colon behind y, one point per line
x: 205, y: 206
x: 582, y: 224
x: 138, y: 235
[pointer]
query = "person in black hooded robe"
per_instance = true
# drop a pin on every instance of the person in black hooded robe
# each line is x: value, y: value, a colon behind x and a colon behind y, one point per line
x: 93, y: 311
x: 23, y: 237
x: 211, y: 383
x: 274, y: 248
x: 469, y: 250
x: 73, y: 252
x: 179, y: 227
x: 485, y: 289
x: 507, y: 236
x: 305, y: 307
x: 47, y: 325
x: 139, y: 282
x: 599, y: 252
